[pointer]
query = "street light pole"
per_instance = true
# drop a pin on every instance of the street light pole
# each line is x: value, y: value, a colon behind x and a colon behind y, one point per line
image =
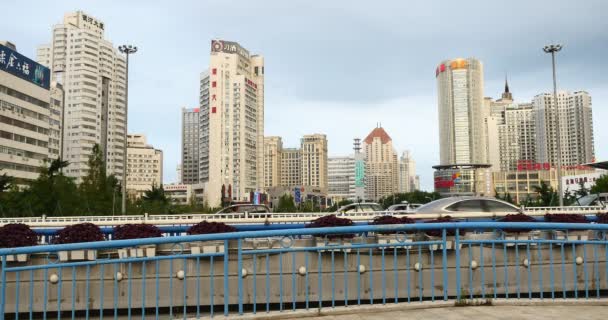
x: 553, y: 49
x: 127, y: 50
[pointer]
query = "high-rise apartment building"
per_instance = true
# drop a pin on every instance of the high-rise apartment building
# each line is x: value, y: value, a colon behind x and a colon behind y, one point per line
x: 461, y: 114
x: 273, y: 147
x: 31, y: 110
x: 408, y: 180
x: 314, y: 160
x: 291, y: 167
x: 517, y: 135
x: 232, y: 123
x: 191, y: 145
x: 575, y: 128
x: 381, y: 165
x: 144, y: 165
x: 341, y: 178
x: 93, y: 75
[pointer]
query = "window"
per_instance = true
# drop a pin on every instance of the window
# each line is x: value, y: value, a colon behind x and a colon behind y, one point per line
x: 495, y: 206
x: 466, y: 205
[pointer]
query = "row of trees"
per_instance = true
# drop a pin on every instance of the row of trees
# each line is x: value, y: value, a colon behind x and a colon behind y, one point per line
x: 55, y: 194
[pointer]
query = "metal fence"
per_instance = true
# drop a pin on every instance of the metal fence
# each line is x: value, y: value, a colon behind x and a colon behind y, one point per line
x: 284, y: 270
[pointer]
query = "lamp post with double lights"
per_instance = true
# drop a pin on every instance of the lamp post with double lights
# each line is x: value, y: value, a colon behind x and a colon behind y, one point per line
x: 127, y: 50
x: 553, y: 49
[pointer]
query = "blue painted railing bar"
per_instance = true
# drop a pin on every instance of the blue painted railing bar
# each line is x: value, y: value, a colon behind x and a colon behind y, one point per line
x: 288, y: 269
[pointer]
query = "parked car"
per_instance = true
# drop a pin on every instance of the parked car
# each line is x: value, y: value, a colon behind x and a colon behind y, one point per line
x: 404, y: 206
x: 468, y: 204
x: 360, y: 207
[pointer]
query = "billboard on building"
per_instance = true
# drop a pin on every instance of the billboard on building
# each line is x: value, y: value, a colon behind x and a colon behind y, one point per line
x: 228, y: 47
x: 23, y: 67
x: 573, y: 183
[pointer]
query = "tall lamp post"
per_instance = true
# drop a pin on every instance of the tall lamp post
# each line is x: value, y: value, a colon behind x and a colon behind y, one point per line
x: 127, y: 50
x: 553, y: 49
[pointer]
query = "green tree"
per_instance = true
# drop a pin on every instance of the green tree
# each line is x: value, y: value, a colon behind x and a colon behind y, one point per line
x: 547, y: 196
x: 5, y: 182
x: 154, y: 201
x: 97, y: 189
x: 52, y: 193
x: 286, y: 204
x: 601, y: 185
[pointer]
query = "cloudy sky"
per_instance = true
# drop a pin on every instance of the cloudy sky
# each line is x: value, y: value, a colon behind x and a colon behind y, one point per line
x: 339, y: 67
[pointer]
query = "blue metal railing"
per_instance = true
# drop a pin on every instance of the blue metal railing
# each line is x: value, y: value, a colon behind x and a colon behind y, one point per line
x: 289, y: 269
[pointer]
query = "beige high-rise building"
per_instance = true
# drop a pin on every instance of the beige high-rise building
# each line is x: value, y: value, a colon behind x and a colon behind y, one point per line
x: 92, y: 73
x: 576, y: 128
x: 314, y: 160
x: 408, y: 180
x: 291, y: 167
x: 461, y: 113
x: 31, y: 110
x: 144, y: 165
x: 232, y: 123
x: 381, y: 165
x: 273, y: 148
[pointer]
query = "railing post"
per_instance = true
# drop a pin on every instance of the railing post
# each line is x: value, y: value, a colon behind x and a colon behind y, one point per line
x: 457, y: 250
x: 3, y: 291
x: 240, y: 273
x: 226, y: 278
x: 445, y: 265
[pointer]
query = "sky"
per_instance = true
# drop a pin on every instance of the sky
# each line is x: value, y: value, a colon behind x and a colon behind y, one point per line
x: 339, y: 67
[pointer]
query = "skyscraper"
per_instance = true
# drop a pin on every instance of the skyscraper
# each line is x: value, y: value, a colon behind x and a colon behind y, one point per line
x: 461, y: 114
x: 190, y: 145
x: 408, y: 180
x: 232, y: 123
x: 314, y: 160
x: 291, y: 167
x: 576, y: 128
x: 273, y: 147
x: 381, y: 165
x: 92, y: 73
x: 341, y: 178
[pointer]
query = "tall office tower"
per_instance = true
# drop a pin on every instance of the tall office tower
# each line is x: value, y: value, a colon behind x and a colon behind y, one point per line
x: 381, y: 166
x: 291, y: 167
x: 461, y: 114
x: 341, y: 178
x: 31, y: 109
x: 576, y: 128
x: 314, y: 160
x: 273, y: 147
x: 232, y: 129
x: 359, y: 170
x: 203, y: 162
x: 408, y: 180
x: 93, y: 76
x: 190, y: 145
x: 144, y: 165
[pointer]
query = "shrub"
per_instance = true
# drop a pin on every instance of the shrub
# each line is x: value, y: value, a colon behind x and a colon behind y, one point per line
x: 566, y: 218
x: 520, y: 217
x: 205, y: 227
x: 15, y: 235
x: 82, y: 232
x: 136, y: 231
x: 392, y: 220
x: 331, y: 221
x: 602, y: 217
x: 438, y: 232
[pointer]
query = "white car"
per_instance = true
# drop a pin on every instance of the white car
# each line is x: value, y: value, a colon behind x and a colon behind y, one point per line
x: 468, y: 204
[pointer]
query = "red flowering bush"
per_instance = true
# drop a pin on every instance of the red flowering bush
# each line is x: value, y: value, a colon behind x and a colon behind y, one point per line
x: 331, y: 221
x: 520, y: 217
x: 566, y: 218
x: 602, y: 217
x: 15, y: 235
x: 136, y: 231
x: 392, y: 220
x: 82, y: 232
x: 438, y: 232
x: 205, y: 227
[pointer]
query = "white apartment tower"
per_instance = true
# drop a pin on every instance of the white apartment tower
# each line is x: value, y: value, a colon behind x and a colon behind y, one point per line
x: 93, y: 74
x: 408, y: 180
x: 381, y: 165
x: 232, y: 123
x: 341, y: 178
x: 273, y: 147
x: 461, y: 114
x: 576, y: 128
